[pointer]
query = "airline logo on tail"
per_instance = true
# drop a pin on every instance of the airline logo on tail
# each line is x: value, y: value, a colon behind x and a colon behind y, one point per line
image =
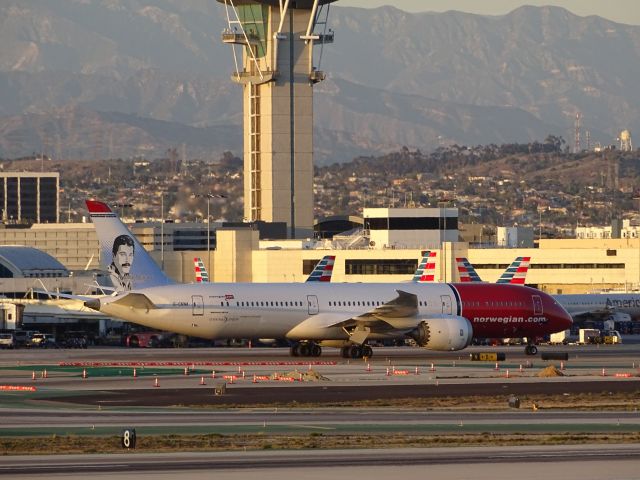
x: 202, y: 276
x: 466, y: 271
x: 323, y: 270
x: 425, y: 273
x: 517, y: 271
x: 515, y: 274
x: 127, y: 263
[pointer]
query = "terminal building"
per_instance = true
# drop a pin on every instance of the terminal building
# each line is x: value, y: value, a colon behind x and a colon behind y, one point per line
x: 28, y: 197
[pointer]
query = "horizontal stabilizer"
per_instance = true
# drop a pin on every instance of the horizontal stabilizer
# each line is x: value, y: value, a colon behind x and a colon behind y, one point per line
x: 135, y: 300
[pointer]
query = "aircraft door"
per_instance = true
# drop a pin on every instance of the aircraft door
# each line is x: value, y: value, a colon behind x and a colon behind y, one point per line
x: 197, y: 305
x: 312, y: 303
x: 446, y: 304
x: 537, y: 305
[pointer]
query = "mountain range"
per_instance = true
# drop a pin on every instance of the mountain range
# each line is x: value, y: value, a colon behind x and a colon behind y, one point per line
x: 119, y: 78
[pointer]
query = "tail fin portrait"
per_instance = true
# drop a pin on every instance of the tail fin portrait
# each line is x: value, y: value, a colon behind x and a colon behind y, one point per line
x: 323, y: 270
x: 202, y: 276
x: 516, y: 273
x: 127, y: 263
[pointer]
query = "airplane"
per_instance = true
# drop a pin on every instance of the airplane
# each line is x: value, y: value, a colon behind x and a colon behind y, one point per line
x: 321, y: 272
x: 619, y: 306
x: 444, y: 316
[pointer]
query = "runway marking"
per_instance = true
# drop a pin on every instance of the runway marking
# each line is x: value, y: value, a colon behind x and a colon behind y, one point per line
x: 313, y: 426
x: 67, y: 466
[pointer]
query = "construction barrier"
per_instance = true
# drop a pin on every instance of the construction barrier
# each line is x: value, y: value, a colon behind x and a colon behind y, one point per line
x: 188, y: 364
x: 17, y: 388
x: 488, y: 357
x: 623, y: 375
x: 401, y: 372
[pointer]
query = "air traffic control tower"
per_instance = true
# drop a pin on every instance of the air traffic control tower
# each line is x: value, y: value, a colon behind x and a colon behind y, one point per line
x: 273, y: 50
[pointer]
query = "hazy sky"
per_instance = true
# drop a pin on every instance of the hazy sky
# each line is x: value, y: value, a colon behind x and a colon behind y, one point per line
x: 624, y: 11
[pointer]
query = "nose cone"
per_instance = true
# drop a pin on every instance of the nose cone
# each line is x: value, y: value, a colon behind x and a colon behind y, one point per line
x: 559, y: 318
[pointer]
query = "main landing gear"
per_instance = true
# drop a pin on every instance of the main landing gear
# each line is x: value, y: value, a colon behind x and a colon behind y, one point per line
x: 356, y: 351
x: 530, y: 349
x: 305, y: 349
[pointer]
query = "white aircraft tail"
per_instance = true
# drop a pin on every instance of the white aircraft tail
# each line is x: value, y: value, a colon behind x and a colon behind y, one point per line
x: 126, y: 262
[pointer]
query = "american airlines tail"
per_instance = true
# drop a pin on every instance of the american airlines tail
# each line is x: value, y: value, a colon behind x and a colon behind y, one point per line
x: 323, y: 270
x: 202, y: 276
x: 516, y: 273
x: 466, y: 271
x: 126, y: 262
x: 425, y: 273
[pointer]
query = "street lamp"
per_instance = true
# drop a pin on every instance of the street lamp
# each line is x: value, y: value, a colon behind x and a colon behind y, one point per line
x: 122, y: 206
x: 208, y: 196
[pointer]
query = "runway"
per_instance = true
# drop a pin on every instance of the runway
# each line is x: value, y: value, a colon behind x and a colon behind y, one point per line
x: 110, y: 398
x: 595, y: 462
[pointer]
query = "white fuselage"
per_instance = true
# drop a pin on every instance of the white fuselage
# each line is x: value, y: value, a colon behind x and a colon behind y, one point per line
x: 271, y: 310
x: 600, y: 304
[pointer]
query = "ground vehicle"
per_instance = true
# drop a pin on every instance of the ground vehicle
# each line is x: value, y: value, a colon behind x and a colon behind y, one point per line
x: 22, y: 338
x: 6, y: 340
x: 144, y: 339
x: 75, y: 340
x: 586, y: 336
x: 43, y: 340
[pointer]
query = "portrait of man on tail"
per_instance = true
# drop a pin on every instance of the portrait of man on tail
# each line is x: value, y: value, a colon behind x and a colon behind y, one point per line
x: 120, y: 268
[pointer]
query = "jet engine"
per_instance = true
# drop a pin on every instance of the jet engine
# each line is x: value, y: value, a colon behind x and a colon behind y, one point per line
x: 443, y: 333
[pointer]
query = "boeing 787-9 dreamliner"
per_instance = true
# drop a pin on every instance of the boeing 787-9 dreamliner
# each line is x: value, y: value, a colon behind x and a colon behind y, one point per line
x: 443, y: 316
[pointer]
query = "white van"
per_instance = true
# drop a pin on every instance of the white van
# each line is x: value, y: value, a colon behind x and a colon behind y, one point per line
x: 6, y: 340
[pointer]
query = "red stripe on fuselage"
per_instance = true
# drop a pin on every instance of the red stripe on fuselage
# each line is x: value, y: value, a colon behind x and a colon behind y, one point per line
x: 499, y: 311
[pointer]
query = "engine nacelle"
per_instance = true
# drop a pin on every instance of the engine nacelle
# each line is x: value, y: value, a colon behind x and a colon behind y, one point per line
x: 445, y: 333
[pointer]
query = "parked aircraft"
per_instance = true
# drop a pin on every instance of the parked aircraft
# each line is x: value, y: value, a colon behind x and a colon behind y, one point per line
x: 437, y: 316
x: 514, y: 274
x: 321, y: 272
x: 618, y: 306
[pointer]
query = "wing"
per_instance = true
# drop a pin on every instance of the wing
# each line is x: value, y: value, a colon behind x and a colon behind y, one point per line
x: 379, y: 320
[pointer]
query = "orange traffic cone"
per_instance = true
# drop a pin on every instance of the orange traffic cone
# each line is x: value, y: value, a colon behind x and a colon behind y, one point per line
x: 202, y: 381
x: 135, y: 373
x: 84, y: 373
x: 33, y: 375
x: 44, y: 374
x: 157, y: 383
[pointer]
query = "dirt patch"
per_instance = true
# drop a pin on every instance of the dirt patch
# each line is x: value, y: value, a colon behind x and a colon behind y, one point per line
x: 550, y: 371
